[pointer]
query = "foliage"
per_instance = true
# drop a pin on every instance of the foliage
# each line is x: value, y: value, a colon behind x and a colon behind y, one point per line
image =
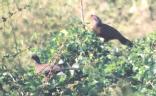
x: 103, y: 68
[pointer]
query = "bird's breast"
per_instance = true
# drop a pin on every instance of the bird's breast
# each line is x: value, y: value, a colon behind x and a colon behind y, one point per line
x: 97, y: 30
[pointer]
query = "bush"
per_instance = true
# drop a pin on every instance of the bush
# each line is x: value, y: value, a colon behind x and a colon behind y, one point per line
x: 104, y: 69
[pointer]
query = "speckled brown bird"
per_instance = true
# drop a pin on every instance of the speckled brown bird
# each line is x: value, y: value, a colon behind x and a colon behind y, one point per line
x: 107, y: 32
x: 44, y: 68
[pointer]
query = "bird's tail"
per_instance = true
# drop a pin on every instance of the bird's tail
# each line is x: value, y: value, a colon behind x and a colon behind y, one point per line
x: 125, y: 41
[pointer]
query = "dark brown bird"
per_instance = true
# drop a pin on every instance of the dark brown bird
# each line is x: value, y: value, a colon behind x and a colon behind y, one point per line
x: 107, y: 32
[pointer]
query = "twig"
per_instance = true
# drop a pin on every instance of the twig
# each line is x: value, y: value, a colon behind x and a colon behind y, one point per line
x: 16, y: 45
x: 82, y: 15
x: 58, y: 54
x: 56, y: 58
x: 10, y: 14
x: 15, y: 54
x: 70, y: 69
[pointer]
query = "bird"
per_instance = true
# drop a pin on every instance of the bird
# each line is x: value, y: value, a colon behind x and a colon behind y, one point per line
x: 108, y: 32
x: 46, y: 69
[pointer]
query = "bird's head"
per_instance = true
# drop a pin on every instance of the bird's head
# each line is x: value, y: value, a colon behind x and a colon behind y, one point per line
x: 36, y: 59
x: 95, y: 20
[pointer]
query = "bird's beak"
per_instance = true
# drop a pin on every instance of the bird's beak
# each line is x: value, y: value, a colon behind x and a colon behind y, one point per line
x: 93, y: 17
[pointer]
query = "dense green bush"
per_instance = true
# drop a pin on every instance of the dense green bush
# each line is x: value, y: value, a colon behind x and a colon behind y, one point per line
x: 104, y: 69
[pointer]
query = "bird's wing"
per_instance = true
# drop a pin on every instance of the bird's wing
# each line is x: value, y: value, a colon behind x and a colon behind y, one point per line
x: 42, y: 68
x: 110, y: 31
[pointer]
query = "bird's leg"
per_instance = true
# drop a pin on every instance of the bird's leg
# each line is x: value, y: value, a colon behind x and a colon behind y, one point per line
x: 45, y: 80
x: 50, y: 74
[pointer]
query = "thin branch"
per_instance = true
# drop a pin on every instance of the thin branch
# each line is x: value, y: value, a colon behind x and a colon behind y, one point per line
x: 82, y: 14
x: 16, y: 45
x: 58, y: 54
x: 15, y: 54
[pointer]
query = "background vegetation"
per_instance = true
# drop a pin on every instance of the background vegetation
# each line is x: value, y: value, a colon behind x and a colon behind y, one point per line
x: 48, y: 28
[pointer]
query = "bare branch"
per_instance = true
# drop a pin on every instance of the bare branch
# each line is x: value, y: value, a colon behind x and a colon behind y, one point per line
x: 82, y: 14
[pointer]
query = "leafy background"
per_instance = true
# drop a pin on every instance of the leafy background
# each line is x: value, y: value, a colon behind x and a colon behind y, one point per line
x: 105, y: 69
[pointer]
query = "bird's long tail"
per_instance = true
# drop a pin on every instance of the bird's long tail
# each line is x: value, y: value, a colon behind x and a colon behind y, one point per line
x: 125, y: 41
